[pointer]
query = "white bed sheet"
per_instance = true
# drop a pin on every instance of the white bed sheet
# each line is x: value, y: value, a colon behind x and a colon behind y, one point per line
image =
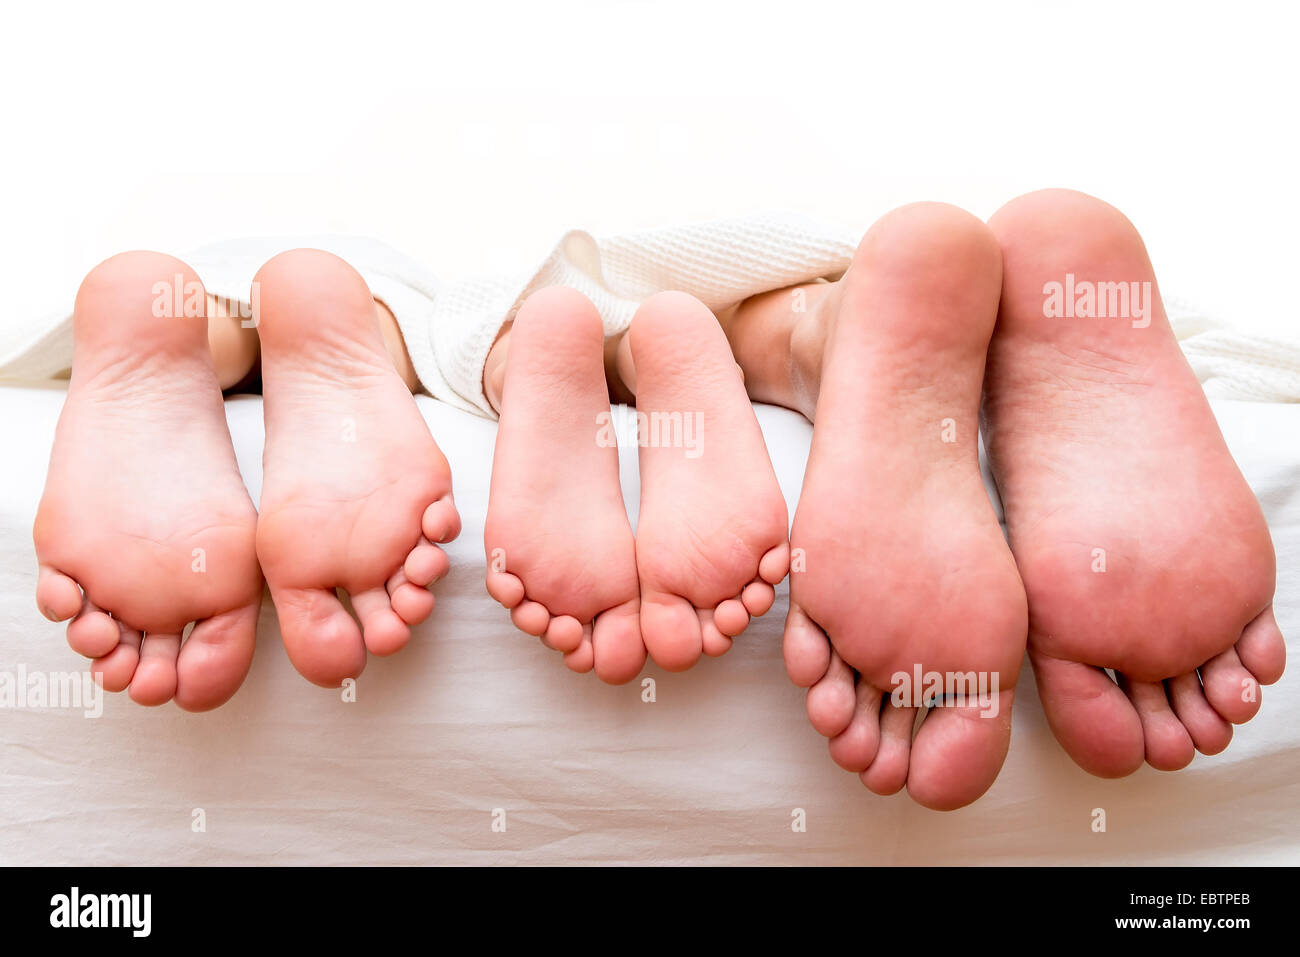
x: 473, y: 717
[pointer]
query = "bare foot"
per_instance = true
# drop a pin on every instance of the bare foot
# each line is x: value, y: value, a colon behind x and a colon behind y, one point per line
x: 900, y: 566
x: 356, y: 493
x: 1141, y: 546
x: 711, y: 541
x: 559, y: 547
x: 144, y: 509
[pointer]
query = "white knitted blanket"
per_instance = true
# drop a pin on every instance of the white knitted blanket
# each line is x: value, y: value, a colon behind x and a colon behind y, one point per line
x: 450, y: 327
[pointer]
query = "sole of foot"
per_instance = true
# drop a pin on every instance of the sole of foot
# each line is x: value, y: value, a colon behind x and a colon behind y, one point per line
x: 1142, y: 548
x: 712, y: 537
x: 145, y: 527
x: 559, y: 546
x: 901, y: 570
x: 356, y: 494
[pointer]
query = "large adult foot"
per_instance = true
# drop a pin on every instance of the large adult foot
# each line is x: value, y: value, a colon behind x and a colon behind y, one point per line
x: 145, y: 526
x: 712, y: 540
x: 559, y: 547
x: 356, y: 493
x: 901, y: 571
x: 1141, y: 546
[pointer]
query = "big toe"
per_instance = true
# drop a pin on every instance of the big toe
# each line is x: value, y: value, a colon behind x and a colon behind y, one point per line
x: 1090, y: 716
x: 958, y: 752
x: 670, y: 627
x: 215, y: 658
x: 320, y: 637
x: 617, y: 646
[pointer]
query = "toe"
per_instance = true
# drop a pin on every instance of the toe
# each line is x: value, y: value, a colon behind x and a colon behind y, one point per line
x: 958, y: 752
x: 441, y: 521
x: 426, y: 564
x: 92, y: 633
x: 617, y: 646
x: 758, y: 598
x: 57, y: 595
x: 154, y: 681
x: 1262, y: 649
x: 712, y: 640
x: 1210, y: 733
x: 564, y: 633
x: 806, y: 648
x: 855, y: 747
x: 506, y: 589
x: 1090, y: 716
x: 1230, y: 688
x: 582, y: 659
x: 888, y: 772
x: 412, y: 603
x: 671, y: 630
x: 115, y: 670
x: 531, y: 618
x: 320, y: 637
x: 382, y: 629
x: 1168, y: 745
x: 831, y: 701
x: 215, y: 658
x: 731, y: 617
x: 774, y: 564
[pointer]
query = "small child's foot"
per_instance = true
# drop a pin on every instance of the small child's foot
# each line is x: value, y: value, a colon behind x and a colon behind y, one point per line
x: 356, y: 493
x: 1141, y: 546
x: 144, y: 509
x: 559, y: 547
x: 901, y: 570
x: 712, y: 538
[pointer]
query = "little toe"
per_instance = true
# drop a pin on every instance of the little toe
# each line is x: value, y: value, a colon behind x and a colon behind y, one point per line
x: 617, y: 645
x: 320, y: 637
x: 426, y: 564
x: 831, y: 701
x: 1262, y: 649
x: 888, y: 772
x: 958, y: 751
x: 412, y: 603
x: 1230, y: 688
x: 215, y: 658
x: 758, y: 598
x: 1210, y: 733
x: 506, y: 589
x: 57, y: 595
x: 670, y: 628
x: 731, y: 617
x: 531, y: 618
x: 115, y: 670
x: 564, y: 633
x: 441, y: 521
x: 806, y: 648
x: 1168, y: 745
x: 1090, y: 716
x: 92, y: 632
x: 154, y: 681
x: 714, y: 643
x: 775, y: 564
x: 855, y: 747
x: 382, y: 629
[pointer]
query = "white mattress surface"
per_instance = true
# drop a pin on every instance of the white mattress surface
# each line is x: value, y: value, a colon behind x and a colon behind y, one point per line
x: 475, y: 723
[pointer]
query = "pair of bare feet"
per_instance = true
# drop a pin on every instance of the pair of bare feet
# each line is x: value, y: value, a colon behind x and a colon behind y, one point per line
x: 1134, y: 543
x: 146, y: 537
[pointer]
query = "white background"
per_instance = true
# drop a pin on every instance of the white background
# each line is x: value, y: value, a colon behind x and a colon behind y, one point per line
x: 472, y: 135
